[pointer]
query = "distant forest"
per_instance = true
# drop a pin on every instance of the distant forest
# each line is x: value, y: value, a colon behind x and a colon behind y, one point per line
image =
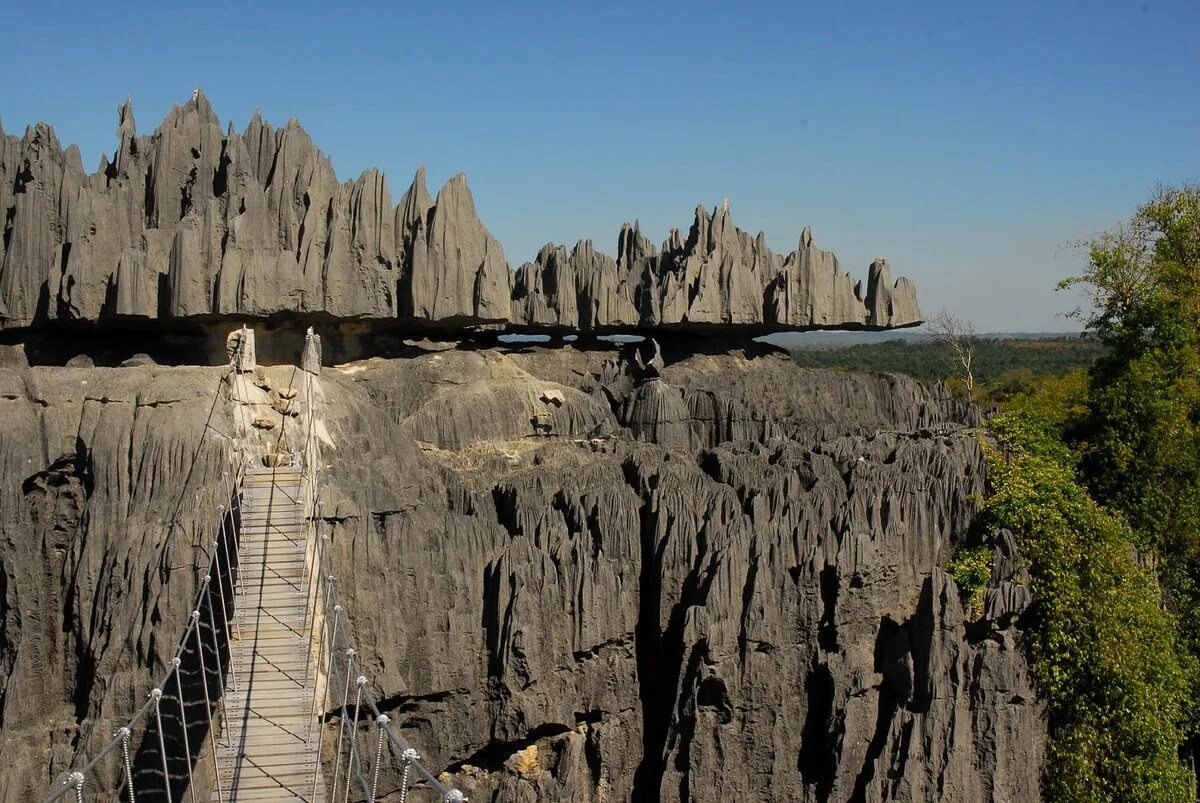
x: 998, y: 361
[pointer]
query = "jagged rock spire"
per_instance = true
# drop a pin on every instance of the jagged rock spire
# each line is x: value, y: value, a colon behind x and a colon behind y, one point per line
x: 257, y: 223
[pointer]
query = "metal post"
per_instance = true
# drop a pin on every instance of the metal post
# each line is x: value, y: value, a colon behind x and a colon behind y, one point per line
x: 311, y: 571
x: 410, y: 755
x: 225, y: 623
x: 315, y: 683
x: 321, y: 645
x: 76, y: 780
x: 236, y: 528
x: 212, y: 623
x: 315, y: 592
x: 224, y: 615
x: 229, y: 573
x: 227, y: 537
x: 361, y: 682
x: 316, y: 680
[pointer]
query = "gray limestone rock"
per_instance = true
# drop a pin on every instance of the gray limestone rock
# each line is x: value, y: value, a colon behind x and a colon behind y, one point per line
x: 721, y: 582
x: 457, y: 269
x: 195, y: 224
x: 101, y: 524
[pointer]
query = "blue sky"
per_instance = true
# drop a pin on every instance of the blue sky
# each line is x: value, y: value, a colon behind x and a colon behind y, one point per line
x: 970, y: 143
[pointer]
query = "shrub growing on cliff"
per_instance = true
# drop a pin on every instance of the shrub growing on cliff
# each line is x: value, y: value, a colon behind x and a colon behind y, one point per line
x: 1104, y: 650
x: 971, y: 567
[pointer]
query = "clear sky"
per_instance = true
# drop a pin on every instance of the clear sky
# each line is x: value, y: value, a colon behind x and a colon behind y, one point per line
x: 968, y: 142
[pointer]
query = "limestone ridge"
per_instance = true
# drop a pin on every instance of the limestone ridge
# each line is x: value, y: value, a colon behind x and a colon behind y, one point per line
x: 576, y: 574
x: 192, y: 223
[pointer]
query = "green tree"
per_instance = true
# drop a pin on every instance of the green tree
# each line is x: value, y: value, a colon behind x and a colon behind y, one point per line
x: 1140, y: 437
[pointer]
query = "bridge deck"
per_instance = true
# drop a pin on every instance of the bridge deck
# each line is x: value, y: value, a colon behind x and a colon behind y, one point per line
x: 268, y: 750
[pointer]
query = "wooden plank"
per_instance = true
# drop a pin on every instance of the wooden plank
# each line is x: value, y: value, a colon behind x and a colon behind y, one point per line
x: 279, y: 744
x: 296, y: 780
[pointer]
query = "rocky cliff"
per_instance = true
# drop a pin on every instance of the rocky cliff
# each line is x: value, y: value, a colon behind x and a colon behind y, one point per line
x: 195, y: 224
x: 573, y: 574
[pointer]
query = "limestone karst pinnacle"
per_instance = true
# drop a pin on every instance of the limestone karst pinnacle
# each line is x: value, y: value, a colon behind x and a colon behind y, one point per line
x: 192, y: 223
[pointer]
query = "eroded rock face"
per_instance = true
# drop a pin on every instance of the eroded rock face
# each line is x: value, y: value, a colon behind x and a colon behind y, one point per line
x: 192, y: 223
x: 109, y: 493
x: 571, y: 575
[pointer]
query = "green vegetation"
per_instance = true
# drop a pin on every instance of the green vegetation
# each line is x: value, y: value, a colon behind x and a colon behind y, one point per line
x: 971, y: 568
x: 1098, y: 473
x: 1000, y: 363
x: 1104, y: 652
x: 1059, y: 400
x: 1138, y: 440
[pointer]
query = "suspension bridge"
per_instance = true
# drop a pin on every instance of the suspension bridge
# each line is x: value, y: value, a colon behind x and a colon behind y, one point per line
x: 267, y: 650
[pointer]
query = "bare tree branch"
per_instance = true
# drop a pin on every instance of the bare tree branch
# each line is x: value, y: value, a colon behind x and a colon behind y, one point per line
x: 960, y: 339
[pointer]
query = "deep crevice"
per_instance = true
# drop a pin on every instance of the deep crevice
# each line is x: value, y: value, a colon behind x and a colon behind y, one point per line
x: 827, y: 636
x: 820, y: 743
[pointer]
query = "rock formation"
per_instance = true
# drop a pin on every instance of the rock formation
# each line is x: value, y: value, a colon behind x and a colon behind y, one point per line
x: 192, y: 224
x: 572, y: 574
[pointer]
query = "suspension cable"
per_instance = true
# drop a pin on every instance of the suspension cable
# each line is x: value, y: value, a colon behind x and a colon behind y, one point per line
x: 212, y: 733
x: 156, y: 695
x: 381, y: 722
x: 321, y: 581
x: 187, y: 749
x: 123, y: 733
x: 324, y: 560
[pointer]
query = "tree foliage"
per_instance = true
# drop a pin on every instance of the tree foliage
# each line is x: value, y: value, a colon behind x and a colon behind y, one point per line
x: 1139, y: 439
x: 1104, y: 651
x: 1059, y: 400
x: 1096, y: 468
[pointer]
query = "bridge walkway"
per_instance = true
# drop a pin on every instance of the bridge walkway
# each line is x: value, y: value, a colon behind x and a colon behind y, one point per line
x: 270, y: 743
